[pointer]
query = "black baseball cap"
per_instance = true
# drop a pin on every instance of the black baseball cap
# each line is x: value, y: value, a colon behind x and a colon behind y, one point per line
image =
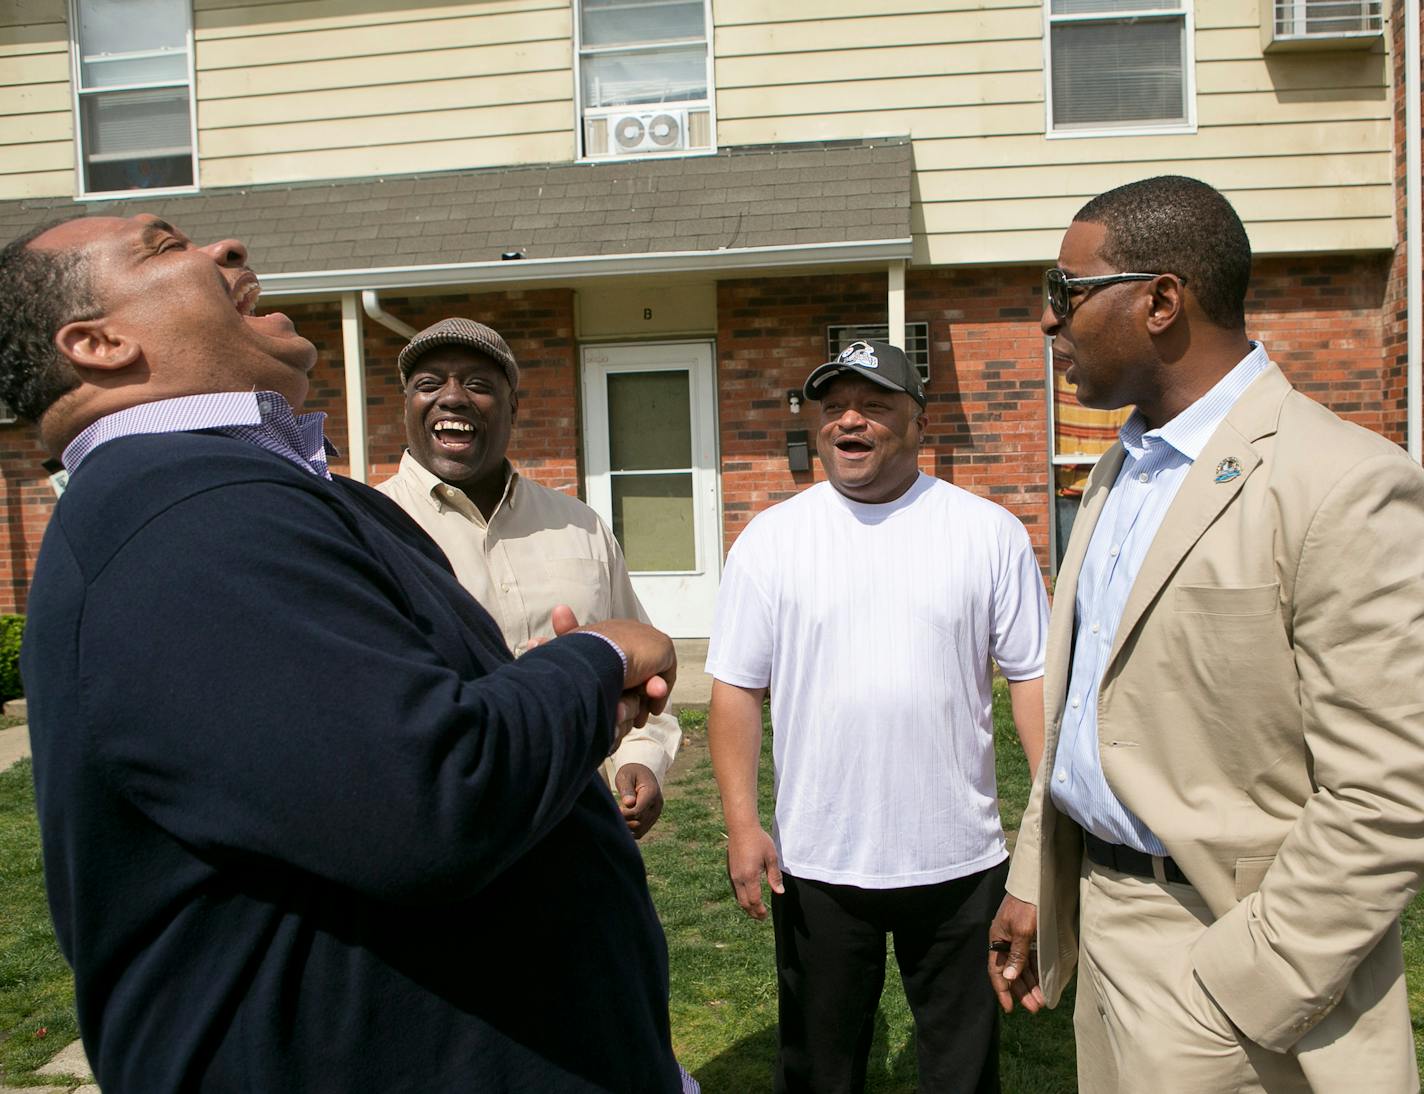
x: 878, y: 362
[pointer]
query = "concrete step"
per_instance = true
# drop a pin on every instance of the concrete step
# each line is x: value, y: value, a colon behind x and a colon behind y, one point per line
x: 15, y: 708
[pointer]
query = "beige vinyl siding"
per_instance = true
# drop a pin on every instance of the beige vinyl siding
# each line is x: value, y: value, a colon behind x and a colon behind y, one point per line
x: 348, y: 88
x: 36, y: 107
x: 1301, y: 143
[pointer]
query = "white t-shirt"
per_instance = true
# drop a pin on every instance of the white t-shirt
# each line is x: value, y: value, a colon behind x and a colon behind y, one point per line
x: 873, y: 626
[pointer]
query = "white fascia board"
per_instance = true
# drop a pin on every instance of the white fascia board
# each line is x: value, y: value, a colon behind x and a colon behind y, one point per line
x: 388, y: 278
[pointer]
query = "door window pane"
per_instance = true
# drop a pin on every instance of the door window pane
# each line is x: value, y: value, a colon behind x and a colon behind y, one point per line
x: 649, y: 421
x: 652, y: 520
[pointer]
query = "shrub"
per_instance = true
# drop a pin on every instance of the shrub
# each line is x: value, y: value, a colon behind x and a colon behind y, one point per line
x: 12, y: 629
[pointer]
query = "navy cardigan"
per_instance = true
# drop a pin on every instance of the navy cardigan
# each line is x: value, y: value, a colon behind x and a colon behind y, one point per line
x: 306, y: 825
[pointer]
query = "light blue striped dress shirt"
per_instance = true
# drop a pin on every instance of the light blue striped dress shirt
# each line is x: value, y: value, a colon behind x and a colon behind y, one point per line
x: 262, y: 418
x: 1154, y: 466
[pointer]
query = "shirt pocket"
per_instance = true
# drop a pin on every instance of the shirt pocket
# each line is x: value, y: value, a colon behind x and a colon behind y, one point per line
x: 1250, y: 872
x: 581, y: 583
x: 1227, y: 599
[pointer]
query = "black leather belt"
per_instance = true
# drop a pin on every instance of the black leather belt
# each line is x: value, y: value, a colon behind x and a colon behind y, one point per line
x: 1125, y: 860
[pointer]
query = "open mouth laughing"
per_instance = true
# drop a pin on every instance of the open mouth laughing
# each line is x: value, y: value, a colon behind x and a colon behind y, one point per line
x: 853, y: 446
x: 453, y: 434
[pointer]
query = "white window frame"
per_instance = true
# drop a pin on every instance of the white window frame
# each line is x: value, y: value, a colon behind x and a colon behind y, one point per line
x: 78, y: 93
x: 917, y: 337
x: 1186, y: 12
x: 7, y: 415
x: 711, y: 100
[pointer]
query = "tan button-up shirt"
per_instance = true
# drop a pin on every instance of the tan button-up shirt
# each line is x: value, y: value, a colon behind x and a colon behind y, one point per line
x: 539, y: 548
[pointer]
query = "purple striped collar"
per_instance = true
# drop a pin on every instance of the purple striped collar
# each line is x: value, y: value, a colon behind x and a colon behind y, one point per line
x: 262, y: 418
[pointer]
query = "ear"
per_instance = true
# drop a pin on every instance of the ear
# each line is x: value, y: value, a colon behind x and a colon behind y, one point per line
x: 88, y: 343
x: 1166, y: 305
x: 513, y: 404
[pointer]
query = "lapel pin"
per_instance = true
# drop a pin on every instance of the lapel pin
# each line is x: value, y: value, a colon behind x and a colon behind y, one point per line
x: 1228, y: 469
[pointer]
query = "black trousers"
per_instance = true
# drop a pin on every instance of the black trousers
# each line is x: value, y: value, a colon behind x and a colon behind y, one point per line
x: 830, y: 964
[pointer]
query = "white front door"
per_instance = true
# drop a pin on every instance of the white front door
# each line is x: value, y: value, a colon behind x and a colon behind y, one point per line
x: 650, y: 430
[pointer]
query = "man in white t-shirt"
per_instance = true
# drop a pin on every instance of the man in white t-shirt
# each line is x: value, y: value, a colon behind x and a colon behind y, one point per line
x: 871, y: 605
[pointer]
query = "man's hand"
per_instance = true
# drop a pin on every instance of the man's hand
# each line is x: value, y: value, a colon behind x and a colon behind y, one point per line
x: 749, y: 854
x: 652, y: 664
x: 1013, y: 967
x: 640, y: 798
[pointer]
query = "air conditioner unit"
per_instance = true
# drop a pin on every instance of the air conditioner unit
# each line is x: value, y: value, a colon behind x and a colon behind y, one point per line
x: 648, y: 131
x: 1321, y: 24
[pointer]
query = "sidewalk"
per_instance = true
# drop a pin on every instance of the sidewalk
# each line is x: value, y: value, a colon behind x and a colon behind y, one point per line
x: 14, y: 745
x: 693, y: 689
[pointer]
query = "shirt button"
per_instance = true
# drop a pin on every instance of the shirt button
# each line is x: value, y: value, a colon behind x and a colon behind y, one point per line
x: 504, y: 588
x: 1062, y: 776
x: 1073, y: 702
x: 1143, y: 476
x: 1095, y: 628
x: 1113, y: 550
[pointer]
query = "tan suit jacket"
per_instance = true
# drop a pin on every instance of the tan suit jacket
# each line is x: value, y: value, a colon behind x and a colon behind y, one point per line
x: 1262, y: 711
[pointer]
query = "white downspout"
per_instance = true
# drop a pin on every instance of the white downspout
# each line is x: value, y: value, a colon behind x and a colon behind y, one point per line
x: 353, y: 348
x: 1412, y: 231
x: 371, y: 302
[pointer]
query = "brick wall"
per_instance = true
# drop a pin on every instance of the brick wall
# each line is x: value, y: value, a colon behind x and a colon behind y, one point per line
x: 986, y: 398
x: 1322, y: 319
x: 26, y: 501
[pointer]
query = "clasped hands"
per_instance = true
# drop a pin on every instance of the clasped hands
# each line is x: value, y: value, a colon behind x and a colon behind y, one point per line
x: 652, y: 665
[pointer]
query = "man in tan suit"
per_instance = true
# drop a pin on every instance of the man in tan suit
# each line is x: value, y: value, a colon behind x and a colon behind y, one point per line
x: 1229, y: 816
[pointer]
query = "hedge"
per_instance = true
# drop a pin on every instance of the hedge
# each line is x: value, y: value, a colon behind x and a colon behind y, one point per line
x: 12, y: 629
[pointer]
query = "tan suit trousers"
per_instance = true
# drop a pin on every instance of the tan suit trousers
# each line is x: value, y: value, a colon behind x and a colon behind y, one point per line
x: 1142, y: 1018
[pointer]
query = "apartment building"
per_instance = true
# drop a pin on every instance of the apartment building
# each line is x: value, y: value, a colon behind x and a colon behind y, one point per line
x: 674, y: 209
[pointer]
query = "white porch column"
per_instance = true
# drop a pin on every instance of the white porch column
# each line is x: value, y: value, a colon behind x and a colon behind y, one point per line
x: 353, y: 350
x: 896, y: 302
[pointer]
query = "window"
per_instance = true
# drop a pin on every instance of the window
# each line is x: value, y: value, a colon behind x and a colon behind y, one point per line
x: 1116, y: 65
x: 133, y: 91
x: 916, y: 347
x: 7, y: 416
x: 644, y: 77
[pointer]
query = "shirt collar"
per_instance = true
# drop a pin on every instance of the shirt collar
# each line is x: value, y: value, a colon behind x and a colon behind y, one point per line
x: 1189, y: 431
x: 443, y: 495
x: 210, y: 410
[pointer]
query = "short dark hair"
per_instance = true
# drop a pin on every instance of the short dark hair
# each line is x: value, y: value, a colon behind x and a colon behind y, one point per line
x: 1173, y: 224
x: 40, y: 291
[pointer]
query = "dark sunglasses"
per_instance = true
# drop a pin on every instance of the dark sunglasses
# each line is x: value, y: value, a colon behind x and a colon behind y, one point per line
x: 1059, y: 288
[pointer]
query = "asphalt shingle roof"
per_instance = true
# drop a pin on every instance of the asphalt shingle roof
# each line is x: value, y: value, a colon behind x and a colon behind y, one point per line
x: 740, y: 197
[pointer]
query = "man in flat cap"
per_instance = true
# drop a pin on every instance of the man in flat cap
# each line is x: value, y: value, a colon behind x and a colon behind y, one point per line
x: 307, y: 825
x: 871, y: 605
x: 520, y: 548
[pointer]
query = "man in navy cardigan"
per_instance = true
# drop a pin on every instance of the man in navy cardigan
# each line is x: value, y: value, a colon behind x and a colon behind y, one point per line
x: 307, y: 826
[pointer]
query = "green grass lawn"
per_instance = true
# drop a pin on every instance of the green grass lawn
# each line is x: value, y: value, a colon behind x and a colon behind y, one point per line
x: 723, y: 979
x: 36, y: 987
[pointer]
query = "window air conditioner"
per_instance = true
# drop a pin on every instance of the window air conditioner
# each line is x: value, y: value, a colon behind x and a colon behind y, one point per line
x: 654, y: 131
x: 1321, y: 24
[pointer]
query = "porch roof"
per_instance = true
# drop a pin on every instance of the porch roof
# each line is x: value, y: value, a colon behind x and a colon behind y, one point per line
x: 786, y: 204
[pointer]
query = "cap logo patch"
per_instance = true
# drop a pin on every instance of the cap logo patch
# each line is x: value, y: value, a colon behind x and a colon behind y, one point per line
x: 859, y: 353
